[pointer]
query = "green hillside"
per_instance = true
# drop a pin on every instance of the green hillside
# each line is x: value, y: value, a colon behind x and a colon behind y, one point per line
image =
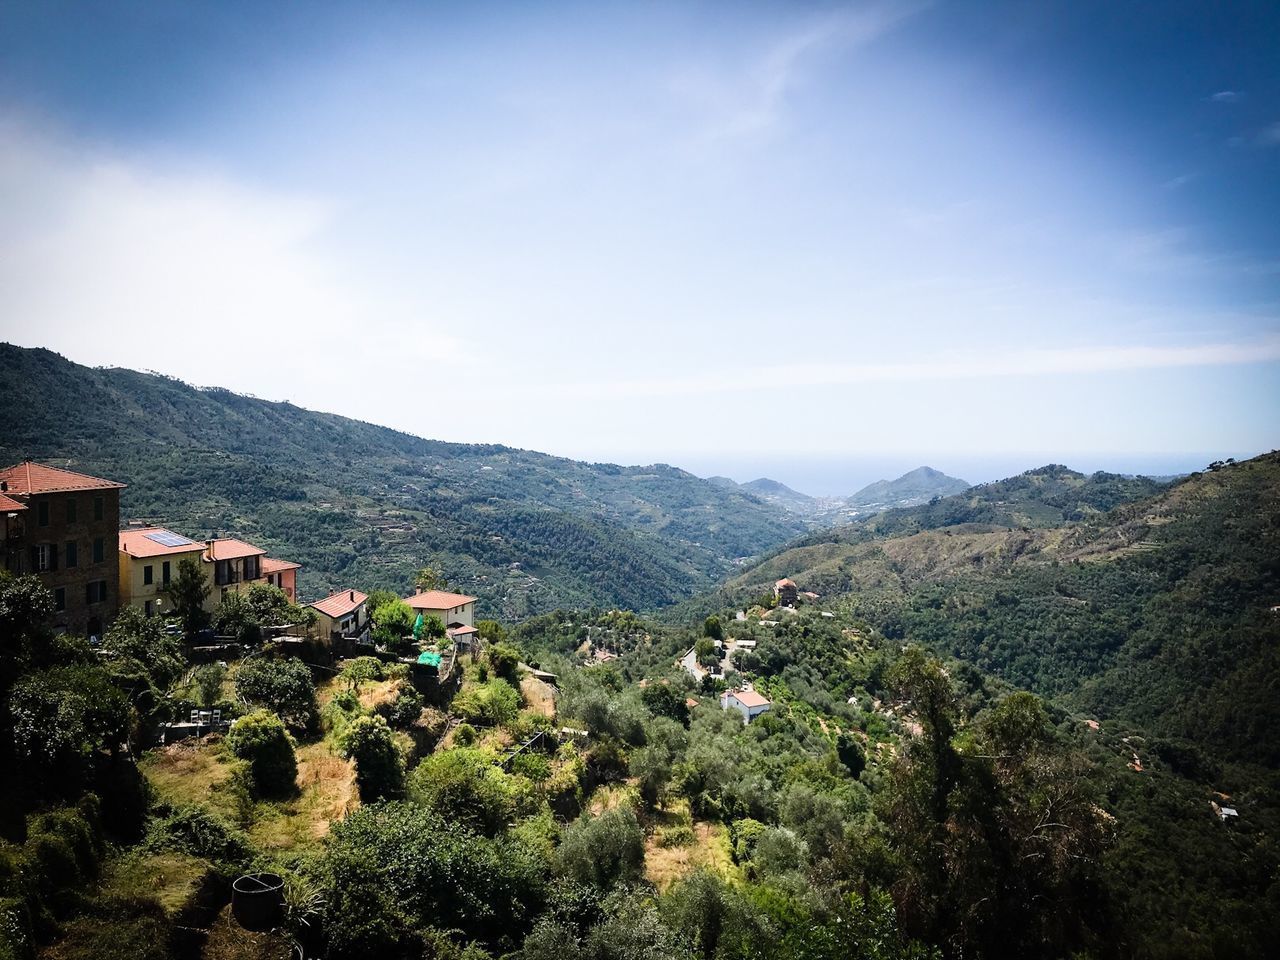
x: 363, y: 505
x: 1115, y: 596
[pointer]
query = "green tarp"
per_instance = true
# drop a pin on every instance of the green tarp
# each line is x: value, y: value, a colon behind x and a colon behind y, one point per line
x: 429, y: 658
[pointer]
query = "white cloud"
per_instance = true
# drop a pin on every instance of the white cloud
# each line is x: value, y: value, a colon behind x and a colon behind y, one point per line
x: 185, y: 270
x: 1225, y: 96
x: 1067, y: 361
x: 752, y: 101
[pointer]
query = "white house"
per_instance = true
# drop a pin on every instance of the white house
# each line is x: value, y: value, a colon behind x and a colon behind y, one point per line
x: 747, y: 702
x: 452, y: 609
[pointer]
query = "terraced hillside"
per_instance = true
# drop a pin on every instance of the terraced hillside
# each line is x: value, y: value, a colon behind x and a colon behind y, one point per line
x: 362, y: 505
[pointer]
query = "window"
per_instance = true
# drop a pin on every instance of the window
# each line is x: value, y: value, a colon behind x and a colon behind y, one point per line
x: 99, y: 549
x: 146, y: 608
x: 251, y: 568
x: 70, y: 553
x: 44, y: 556
x: 99, y: 508
x: 165, y: 573
x: 42, y: 513
x: 148, y: 574
x: 222, y: 572
x: 60, y: 598
x: 95, y: 591
x: 71, y: 510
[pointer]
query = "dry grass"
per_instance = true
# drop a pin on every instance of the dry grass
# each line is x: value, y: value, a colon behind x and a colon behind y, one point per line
x: 540, y: 697
x: 663, y: 866
x: 197, y: 773
x: 376, y: 692
x: 610, y: 796
x: 191, y: 773
x: 230, y: 941
x: 326, y: 792
x: 171, y: 879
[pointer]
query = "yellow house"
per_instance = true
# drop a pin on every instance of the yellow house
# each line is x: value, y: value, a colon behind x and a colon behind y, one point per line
x: 342, y: 614
x: 453, y: 609
x: 149, y: 559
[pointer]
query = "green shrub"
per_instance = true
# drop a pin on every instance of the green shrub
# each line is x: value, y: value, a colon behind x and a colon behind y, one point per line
x: 393, y: 871
x: 403, y: 710
x: 603, y: 850
x: 361, y: 670
x: 681, y: 836
x: 465, y: 735
x: 464, y: 785
x: 282, y: 686
x: 531, y: 764
x: 492, y: 703
x: 199, y: 833
x: 379, y: 772
x: 261, y: 739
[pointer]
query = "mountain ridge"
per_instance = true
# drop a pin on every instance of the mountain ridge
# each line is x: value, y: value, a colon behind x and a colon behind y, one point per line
x: 525, y: 531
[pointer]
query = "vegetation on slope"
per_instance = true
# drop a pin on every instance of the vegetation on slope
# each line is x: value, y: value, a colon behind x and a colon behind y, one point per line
x: 523, y: 531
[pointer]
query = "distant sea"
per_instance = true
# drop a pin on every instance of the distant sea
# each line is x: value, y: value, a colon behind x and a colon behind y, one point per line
x: 835, y: 477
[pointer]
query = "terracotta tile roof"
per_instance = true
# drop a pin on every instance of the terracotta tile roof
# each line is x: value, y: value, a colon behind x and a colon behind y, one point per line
x: 272, y: 565
x: 437, y: 600
x: 137, y: 543
x: 461, y: 631
x: 340, y: 603
x: 749, y: 698
x: 9, y: 505
x: 228, y: 549
x: 29, y: 477
x: 785, y: 582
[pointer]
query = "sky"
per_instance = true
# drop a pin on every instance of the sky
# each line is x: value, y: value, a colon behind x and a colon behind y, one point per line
x: 822, y: 241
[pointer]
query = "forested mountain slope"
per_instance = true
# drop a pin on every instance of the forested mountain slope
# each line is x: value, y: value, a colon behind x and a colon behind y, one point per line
x: 363, y: 505
x: 1155, y: 610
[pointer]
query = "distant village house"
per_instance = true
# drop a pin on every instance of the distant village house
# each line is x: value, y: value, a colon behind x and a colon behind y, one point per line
x: 454, y: 610
x: 747, y: 702
x: 787, y: 592
x: 342, y: 616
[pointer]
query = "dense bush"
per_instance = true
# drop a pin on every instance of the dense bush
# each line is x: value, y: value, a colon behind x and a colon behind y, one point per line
x: 464, y: 784
x: 282, y: 686
x: 394, y: 870
x: 379, y: 770
x: 492, y: 703
x: 602, y: 850
x: 261, y: 739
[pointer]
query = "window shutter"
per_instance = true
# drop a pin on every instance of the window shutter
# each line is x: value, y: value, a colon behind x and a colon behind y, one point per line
x: 53, y: 556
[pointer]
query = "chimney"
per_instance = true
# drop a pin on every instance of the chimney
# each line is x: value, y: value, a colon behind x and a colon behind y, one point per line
x: 353, y: 596
x: 209, y: 544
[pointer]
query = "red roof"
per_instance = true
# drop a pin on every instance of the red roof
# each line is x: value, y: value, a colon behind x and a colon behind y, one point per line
x: 749, y: 698
x: 137, y: 543
x: 9, y: 505
x: 228, y: 549
x: 28, y: 478
x: 461, y: 631
x: 272, y: 565
x: 785, y: 582
x: 340, y: 603
x: 437, y: 600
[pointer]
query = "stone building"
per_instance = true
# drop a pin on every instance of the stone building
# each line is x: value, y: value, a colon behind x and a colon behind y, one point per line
x: 63, y: 527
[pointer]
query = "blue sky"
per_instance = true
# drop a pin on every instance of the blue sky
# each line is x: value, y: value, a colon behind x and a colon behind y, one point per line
x: 737, y: 237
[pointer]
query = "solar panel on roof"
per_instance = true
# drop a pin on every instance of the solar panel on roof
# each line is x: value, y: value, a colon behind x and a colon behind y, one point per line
x: 167, y: 539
